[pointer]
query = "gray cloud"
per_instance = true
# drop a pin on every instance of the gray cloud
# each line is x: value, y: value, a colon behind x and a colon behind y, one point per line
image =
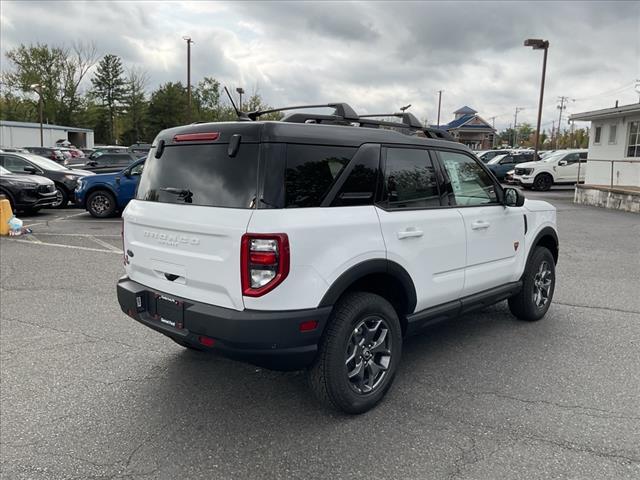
x: 374, y: 55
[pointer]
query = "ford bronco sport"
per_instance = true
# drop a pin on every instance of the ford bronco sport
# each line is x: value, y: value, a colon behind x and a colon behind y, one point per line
x: 321, y: 241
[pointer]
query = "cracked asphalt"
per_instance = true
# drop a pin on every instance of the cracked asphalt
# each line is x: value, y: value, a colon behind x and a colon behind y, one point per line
x: 87, y: 393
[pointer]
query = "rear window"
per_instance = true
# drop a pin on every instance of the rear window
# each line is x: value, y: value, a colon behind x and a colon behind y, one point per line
x: 311, y: 171
x: 201, y: 175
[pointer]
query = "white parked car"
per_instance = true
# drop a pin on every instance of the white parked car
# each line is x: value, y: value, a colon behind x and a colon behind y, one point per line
x: 320, y: 247
x: 558, y: 168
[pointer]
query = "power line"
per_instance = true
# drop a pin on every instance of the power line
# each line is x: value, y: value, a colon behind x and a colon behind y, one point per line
x: 619, y: 89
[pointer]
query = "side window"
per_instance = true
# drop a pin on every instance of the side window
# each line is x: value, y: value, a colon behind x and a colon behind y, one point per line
x: 137, y: 170
x: 572, y: 158
x: 583, y: 157
x: 409, y: 180
x: 470, y: 184
x: 15, y: 164
x: 360, y: 186
x: 507, y: 159
x: 310, y: 172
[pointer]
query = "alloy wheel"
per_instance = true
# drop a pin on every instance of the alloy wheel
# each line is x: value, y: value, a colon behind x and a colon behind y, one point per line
x: 542, y: 282
x: 100, y: 204
x: 368, y: 354
x: 59, y: 198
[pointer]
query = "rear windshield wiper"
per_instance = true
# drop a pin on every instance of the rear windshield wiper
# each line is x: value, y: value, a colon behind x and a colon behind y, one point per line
x: 183, y: 193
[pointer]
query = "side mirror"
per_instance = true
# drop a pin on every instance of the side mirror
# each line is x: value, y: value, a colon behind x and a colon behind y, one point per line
x: 92, y: 163
x: 562, y: 163
x: 513, y: 197
x: 30, y: 169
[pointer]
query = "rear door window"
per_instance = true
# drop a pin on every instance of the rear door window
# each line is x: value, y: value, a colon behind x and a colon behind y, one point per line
x: 310, y: 172
x: 410, y: 181
x: 201, y: 175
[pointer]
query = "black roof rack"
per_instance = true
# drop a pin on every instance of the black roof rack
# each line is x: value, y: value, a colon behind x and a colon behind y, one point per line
x: 341, y: 110
x: 345, y: 115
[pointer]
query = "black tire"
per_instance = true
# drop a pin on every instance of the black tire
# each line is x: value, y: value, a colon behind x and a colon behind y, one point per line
x: 526, y: 305
x: 101, y: 204
x: 543, y: 182
x: 62, y: 197
x: 190, y: 346
x: 328, y: 376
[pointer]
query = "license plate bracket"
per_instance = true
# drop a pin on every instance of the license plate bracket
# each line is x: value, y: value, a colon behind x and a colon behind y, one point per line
x: 170, y: 312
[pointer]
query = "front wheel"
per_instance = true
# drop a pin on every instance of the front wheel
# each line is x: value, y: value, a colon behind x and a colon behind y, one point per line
x: 538, y: 285
x: 101, y: 204
x: 358, y: 355
x: 62, y: 197
x: 543, y: 182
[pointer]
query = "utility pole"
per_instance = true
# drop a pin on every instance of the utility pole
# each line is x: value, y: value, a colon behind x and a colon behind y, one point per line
x: 493, y: 125
x: 561, y: 107
x: 439, y: 103
x: 553, y: 130
x: 515, y: 126
x: 189, y: 42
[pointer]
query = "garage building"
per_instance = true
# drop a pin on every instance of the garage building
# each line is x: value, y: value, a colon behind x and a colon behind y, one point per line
x: 27, y: 134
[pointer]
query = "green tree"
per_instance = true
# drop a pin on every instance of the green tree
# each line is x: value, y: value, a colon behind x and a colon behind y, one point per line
x: 135, y: 104
x: 166, y: 107
x: 109, y: 87
x: 207, y: 100
x: 58, y: 70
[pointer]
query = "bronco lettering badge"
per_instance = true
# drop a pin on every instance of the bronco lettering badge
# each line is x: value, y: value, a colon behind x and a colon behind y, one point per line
x: 172, y: 239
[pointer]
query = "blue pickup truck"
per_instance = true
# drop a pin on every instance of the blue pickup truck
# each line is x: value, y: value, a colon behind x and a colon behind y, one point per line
x: 105, y: 194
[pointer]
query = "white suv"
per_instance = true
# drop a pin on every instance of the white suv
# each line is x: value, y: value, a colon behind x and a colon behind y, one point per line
x: 559, y: 168
x: 294, y: 245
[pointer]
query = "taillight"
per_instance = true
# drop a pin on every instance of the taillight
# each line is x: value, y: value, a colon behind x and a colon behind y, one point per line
x: 197, y: 137
x: 264, y: 262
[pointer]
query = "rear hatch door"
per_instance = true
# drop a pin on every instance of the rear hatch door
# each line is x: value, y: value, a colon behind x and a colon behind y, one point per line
x: 185, y: 225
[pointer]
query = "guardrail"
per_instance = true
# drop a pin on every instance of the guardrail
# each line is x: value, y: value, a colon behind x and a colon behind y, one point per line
x: 612, y: 162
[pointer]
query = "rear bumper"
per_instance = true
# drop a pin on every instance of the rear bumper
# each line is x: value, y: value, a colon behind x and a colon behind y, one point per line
x: 267, y: 338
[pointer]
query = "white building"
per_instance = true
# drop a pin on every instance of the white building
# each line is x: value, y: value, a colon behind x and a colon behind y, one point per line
x: 613, y: 162
x: 27, y: 134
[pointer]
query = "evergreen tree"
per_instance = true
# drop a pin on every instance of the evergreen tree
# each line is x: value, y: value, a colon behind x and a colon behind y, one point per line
x: 109, y: 87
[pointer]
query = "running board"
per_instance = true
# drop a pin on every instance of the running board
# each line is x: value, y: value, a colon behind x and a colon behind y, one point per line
x: 450, y: 310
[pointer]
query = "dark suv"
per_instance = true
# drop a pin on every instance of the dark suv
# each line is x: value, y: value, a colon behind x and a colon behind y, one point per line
x: 107, y: 162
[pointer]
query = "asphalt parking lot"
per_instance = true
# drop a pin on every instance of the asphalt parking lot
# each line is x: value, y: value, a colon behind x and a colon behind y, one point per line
x: 88, y: 393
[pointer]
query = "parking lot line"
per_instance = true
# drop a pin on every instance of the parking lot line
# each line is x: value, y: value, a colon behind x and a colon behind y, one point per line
x: 74, y: 247
x: 105, y: 244
x: 84, y: 235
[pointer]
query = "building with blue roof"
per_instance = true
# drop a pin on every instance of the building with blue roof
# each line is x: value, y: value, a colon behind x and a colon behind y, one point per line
x: 470, y: 128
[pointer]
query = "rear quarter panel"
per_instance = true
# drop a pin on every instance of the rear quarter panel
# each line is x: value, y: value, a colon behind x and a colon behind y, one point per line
x: 324, y: 242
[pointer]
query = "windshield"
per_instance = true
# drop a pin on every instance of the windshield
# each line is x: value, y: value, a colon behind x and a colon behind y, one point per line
x: 554, y: 157
x: 45, y: 163
x: 495, y: 160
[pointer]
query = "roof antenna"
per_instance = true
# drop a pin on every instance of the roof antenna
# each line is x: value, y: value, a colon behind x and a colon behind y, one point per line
x: 241, y: 115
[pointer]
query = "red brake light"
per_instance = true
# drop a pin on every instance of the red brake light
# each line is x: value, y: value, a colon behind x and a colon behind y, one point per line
x: 206, y: 341
x: 264, y: 262
x: 196, y: 137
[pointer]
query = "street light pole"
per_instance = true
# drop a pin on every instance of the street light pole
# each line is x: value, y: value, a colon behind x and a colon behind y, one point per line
x: 189, y: 42
x: 240, y: 91
x: 36, y: 87
x: 538, y: 44
x: 439, y: 103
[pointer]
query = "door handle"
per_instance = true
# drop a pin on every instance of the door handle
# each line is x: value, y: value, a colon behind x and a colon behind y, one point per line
x: 409, y: 232
x: 479, y: 225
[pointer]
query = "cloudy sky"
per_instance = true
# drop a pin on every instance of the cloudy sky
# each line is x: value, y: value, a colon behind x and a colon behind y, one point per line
x: 376, y: 56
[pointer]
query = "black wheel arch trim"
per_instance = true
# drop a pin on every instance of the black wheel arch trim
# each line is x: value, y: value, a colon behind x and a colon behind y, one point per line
x: 368, y: 267
x: 546, y: 231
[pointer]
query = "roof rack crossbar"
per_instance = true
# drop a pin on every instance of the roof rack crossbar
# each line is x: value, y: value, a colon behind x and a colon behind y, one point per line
x: 341, y: 109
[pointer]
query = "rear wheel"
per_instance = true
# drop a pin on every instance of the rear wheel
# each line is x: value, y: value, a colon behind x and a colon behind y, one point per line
x: 358, y: 355
x: 538, y: 285
x: 62, y: 197
x: 543, y: 182
x: 101, y: 204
